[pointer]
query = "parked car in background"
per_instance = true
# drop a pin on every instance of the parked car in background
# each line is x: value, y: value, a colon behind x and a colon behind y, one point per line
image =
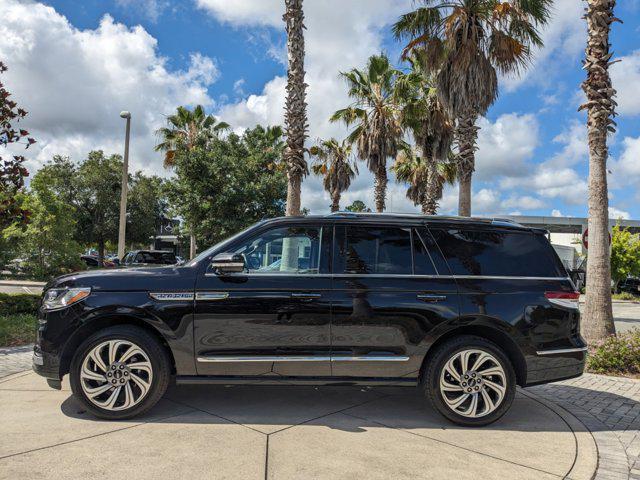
x: 91, y: 261
x: 466, y: 309
x: 629, y: 285
x: 140, y: 258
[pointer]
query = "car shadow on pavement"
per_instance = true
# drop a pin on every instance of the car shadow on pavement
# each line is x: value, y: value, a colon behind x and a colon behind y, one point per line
x: 269, y: 409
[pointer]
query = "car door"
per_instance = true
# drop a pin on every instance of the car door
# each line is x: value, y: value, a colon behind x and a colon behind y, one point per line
x: 273, y: 318
x: 387, y: 297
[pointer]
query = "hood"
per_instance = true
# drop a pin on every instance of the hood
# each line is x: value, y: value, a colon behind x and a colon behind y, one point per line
x: 128, y: 279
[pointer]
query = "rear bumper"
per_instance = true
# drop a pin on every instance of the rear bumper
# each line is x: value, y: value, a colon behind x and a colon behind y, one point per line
x: 557, y: 364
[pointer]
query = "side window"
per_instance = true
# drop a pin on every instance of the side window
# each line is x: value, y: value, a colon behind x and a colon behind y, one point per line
x: 371, y: 250
x: 286, y: 250
x: 496, y: 253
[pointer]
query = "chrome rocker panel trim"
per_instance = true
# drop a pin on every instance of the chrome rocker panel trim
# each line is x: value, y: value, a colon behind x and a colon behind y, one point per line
x: 301, y: 358
x: 561, y: 350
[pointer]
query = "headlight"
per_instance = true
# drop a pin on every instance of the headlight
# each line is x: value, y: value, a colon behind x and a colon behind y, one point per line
x: 58, y: 298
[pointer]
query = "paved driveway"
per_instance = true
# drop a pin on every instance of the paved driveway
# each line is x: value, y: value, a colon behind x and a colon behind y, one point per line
x: 283, y: 432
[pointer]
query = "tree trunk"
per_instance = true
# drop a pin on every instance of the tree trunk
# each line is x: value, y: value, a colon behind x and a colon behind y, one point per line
x: 466, y: 138
x: 431, y: 197
x: 335, y: 201
x: 293, y: 194
x: 295, y: 115
x: 101, y: 252
x: 598, y: 315
x: 380, y: 189
x: 192, y: 246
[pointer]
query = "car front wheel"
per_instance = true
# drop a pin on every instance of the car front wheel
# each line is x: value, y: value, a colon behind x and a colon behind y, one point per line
x: 470, y: 381
x: 120, y: 372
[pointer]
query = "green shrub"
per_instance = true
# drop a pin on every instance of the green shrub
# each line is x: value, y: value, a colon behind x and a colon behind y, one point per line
x: 19, y: 329
x: 19, y: 304
x: 616, y: 355
x: 625, y: 296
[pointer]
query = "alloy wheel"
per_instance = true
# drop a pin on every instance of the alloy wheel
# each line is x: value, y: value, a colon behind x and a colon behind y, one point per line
x: 116, y: 375
x: 473, y: 383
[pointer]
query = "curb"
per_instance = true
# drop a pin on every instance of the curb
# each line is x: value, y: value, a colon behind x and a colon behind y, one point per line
x: 21, y: 283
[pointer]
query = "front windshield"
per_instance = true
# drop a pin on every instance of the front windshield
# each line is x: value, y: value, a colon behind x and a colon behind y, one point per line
x: 204, y: 254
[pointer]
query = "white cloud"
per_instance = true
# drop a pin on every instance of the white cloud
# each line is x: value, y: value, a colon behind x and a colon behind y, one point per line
x: 238, y: 86
x: 525, y: 202
x: 505, y: 145
x: 616, y: 214
x: 556, y: 213
x: 625, y: 76
x: 245, y: 12
x: 576, y: 148
x: 551, y: 182
x: 151, y: 9
x: 75, y: 82
x: 626, y: 170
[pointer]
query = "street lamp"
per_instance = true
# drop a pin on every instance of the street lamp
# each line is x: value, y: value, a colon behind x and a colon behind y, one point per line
x: 123, y: 192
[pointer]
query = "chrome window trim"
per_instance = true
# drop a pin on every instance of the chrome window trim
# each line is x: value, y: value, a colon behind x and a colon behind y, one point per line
x: 302, y: 358
x: 395, y: 275
x: 561, y: 350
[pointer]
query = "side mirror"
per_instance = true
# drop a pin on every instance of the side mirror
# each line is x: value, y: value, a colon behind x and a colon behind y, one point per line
x: 228, y: 263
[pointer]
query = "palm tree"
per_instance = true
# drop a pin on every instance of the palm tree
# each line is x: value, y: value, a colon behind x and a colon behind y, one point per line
x: 467, y: 42
x: 333, y: 163
x: 600, y: 110
x: 186, y: 130
x: 295, y: 115
x: 378, y: 134
x: 422, y: 113
x: 426, y: 178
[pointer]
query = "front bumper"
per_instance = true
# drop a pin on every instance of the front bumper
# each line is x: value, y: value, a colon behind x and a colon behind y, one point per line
x: 46, y: 364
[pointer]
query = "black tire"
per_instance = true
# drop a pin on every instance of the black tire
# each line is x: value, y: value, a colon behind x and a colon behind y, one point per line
x: 436, y: 364
x: 156, y: 353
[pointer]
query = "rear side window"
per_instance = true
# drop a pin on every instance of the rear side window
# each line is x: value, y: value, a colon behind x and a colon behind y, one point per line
x: 496, y: 253
x: 371, y: 250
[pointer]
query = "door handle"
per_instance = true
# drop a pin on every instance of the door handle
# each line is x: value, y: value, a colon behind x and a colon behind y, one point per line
x: 305, y: 295
x: 425, y: 297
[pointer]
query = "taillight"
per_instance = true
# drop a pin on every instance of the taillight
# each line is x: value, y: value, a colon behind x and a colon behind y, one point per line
x: 564, y: 299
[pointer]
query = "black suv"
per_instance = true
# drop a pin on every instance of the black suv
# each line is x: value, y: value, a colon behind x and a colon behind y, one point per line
x: 464, y: 308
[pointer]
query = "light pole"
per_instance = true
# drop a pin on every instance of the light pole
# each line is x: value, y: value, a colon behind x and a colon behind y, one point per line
x: 125, y: 184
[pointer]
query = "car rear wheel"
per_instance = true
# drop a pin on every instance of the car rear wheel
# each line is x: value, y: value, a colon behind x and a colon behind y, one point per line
x: 470, y: 381
x: 120, y: 372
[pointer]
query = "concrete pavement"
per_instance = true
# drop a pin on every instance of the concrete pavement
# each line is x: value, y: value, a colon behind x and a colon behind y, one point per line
x: 283, y: 432
x: 21, y: 286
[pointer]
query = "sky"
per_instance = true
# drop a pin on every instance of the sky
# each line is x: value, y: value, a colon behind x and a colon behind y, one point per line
x: 74, y: 65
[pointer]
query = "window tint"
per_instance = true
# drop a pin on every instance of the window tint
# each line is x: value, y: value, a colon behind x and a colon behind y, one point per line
x: 368, y: 250
x: 422, y: 263
x: 496, y: 252
x: 283, y: 250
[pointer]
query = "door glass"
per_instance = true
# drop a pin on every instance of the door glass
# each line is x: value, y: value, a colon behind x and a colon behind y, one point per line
x: 373, y: 250
x: 288, y: 250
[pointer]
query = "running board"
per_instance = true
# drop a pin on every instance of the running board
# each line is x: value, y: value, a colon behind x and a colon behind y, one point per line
x: 280, y: 380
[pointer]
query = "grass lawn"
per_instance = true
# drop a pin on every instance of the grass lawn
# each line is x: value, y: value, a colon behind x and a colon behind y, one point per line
x: 17, y: 329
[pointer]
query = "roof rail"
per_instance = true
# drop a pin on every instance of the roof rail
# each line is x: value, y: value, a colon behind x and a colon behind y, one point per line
x: 505, y: 221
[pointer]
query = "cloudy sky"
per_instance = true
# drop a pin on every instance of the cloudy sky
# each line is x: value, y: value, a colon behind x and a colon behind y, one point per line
x: 75, y: 65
